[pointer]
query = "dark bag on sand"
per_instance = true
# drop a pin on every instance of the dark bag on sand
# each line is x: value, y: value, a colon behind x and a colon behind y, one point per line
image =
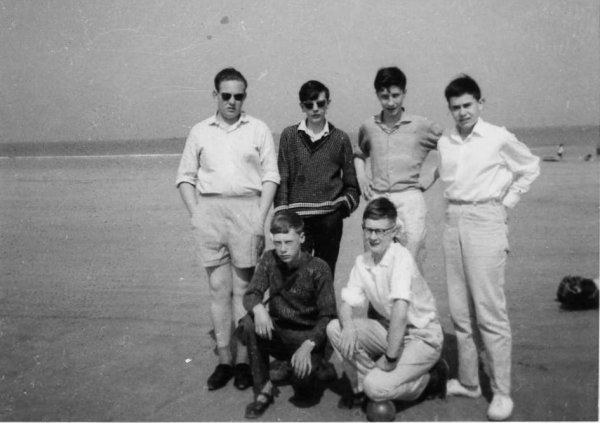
x: 577, y: 293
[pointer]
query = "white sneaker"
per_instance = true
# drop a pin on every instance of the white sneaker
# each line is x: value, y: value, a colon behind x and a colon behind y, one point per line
x: 454, y: 387
x: 500, y: 408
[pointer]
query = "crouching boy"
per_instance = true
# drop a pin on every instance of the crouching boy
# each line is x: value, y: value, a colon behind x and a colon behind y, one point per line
x: 391, y: 354
x: 290, y: 324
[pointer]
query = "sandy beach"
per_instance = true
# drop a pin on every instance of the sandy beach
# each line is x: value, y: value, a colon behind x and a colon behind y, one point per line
x: 103, y: 305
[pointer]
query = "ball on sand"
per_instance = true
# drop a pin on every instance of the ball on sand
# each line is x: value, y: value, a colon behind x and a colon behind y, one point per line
x: 381, y: 411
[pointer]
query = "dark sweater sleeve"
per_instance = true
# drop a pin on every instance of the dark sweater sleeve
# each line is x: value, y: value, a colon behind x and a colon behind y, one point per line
x: 351, y: 190
x: 259, y: 283
x: 281, y: 196
x: 323, y: 282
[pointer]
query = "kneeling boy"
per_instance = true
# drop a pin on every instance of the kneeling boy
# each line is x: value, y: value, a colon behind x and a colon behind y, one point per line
x: 301, y: 302
x: 389, y: 355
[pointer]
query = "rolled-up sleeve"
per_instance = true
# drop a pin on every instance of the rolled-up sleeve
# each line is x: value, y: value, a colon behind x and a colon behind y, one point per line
x: 268, y: 158
x: 353, y: 294
x: 190, y: 161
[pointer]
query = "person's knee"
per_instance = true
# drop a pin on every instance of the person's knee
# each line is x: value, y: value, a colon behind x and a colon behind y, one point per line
x: 374, y: 388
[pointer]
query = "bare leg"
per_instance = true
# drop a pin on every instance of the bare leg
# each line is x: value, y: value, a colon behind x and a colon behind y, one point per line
x: 220, y: 282
x: 241, y: 278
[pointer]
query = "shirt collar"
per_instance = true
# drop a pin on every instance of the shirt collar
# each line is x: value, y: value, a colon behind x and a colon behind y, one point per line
x: 215, y: 120
x: 313, y: 137
x: 478, y: 130
x: 404, y: 119
x: 386, y: 261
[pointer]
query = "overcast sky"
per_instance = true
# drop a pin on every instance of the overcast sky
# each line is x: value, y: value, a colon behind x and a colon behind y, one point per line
x: 122, y: 69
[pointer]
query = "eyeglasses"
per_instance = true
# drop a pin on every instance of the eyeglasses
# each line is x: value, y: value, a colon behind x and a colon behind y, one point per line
x: 310, y: 104
x: 237, y: 97
x: 377, y: 232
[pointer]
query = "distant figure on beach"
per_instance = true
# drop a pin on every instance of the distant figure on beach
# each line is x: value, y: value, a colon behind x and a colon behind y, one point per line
x: 318, y: 180
x: 397, y: 144
x: 394, y: 353
x: 484, y: 171
x: 227, y: 179
x: 560, y: 151
x: 290, y: 323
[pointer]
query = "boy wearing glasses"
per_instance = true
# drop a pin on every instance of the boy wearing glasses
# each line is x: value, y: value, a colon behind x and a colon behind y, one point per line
x: 391, y: 354
x: 484, y: 170
x: 397, y: 143
x: 318, y: 180
x: 227, y: 179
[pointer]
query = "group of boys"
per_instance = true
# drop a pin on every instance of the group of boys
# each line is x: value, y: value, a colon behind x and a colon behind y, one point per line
x: 283, y: 300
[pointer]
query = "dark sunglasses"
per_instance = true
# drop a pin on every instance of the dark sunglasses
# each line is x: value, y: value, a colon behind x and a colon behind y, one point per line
x: 237, y: 97
x: 310, y: 104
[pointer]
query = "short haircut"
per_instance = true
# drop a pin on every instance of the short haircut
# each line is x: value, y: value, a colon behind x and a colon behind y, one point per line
x: 463, y: 84
x: 389, y: 77
x: 310, y: 90
x: 229, y: 74
x: 285, y: 220
x: 380, y: 208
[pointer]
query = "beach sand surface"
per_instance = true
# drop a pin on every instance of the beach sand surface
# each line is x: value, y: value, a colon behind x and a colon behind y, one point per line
x: 104, y: 308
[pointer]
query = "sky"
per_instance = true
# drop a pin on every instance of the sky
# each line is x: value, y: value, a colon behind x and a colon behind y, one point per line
x: 143, y: 69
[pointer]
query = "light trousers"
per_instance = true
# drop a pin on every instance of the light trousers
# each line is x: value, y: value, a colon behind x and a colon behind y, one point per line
x: 475, y: 250
x: 421, y: 349
x: 412, y: 214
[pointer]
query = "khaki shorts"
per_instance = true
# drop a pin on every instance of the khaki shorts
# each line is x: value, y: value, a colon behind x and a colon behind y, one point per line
x: 228, y: 229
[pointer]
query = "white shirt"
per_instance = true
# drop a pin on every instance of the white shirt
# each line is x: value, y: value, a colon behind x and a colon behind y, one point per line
x: 230, y: 161
x: 395, y: 277
x: 314, y: 137
x: 488, y: 164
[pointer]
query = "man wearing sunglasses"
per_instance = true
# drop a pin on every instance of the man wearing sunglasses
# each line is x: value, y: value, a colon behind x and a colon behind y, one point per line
x: 393, y: 353
x: 227, y: 179
x: 397, y: 143
x: 318, y: 180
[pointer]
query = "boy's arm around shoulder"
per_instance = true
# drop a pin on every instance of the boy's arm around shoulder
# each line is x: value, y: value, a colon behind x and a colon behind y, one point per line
x: 431, y: 134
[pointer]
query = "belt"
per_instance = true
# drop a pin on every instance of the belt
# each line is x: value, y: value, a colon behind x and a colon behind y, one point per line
x: 474, y: 203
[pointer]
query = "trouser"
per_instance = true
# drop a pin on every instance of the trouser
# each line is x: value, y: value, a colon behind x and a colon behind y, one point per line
x: 323, y: 236
x: 282, y: 346
x: 412, y: 214
x: 421, y: 349
x: 475, y: 249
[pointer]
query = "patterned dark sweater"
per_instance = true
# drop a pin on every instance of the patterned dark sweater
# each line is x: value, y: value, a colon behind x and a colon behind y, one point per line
x: 316, y: 178
x: 307, y: 300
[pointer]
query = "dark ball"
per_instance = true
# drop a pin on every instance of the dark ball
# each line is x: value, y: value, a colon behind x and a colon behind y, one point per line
x: 381, y: 411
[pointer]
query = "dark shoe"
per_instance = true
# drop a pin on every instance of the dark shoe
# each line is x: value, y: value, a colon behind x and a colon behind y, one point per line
x: 220, y: 377
x: 257, y: 408
x: 352, y: 401
x: 436, y: 388
x: 242, y: 376
x: 306, y: 399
